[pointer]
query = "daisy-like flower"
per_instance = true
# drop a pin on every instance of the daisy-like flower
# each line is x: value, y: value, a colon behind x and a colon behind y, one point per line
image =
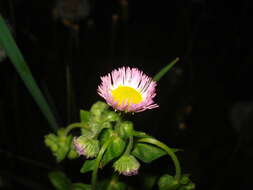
x: 128, y: 89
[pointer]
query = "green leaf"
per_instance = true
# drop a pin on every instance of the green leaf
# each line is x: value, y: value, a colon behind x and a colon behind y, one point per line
x: 59, y: 180
x: 112, y: 184
x: 8, y: 44
x: 147, y: 153
x: 114, y: 150
x: 149, y: 181
x: 167, y: 182
x: 164, y: 70
x: 84, y: 116
x: 88, y: 165
x: 80, y: 186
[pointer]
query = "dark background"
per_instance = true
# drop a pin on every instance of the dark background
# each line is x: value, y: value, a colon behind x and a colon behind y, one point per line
x: 206, y: 105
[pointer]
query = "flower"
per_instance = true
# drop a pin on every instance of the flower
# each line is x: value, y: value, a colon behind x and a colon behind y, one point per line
x: 127, y: 165
x: 128, y: 89
x: 85, y: 146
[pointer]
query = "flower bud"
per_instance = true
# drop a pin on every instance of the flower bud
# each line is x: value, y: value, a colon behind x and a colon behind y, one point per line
x: 86, y: 146
x: 111, y: 116
x: 59, y: 144
x: 127, y: 165
x: 98, y: 108
x: 126, y: 129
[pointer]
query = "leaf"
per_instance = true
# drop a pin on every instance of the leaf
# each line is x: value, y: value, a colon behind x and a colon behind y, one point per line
x: 164, y: 70
x: 114, y: 150
x: 88, y: 165
x: 149, y: 181
x: 59, y: 180
x: 80, y: 186
x: 167, y: 182
x: 8, y: 44
x: 84, y: 116
x: 147, y: 153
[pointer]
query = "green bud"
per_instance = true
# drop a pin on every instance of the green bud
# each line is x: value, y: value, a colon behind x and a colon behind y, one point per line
x: 190, y: 186
x: 59, y: 144
x: 125, y: 129
x: 72, y: 153
x: 168, y: 182
x: 127, y: 165
x: 185, y: 179
x: 98, y: 108
x: 86, y: 146
x: 111, y: 116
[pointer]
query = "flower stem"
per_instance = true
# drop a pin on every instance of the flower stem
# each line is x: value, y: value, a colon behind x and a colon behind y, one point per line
x: 75, y: 125
x: 129, y: 146
x: 169, y: 151
x: 98, y: 159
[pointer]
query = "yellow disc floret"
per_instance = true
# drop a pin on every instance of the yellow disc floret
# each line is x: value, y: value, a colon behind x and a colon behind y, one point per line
x: 125, y: 94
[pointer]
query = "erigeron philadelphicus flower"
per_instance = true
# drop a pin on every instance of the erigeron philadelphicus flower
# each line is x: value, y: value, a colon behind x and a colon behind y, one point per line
x: 86, y: 146
x: 128, y: 89
x: 127, y: 165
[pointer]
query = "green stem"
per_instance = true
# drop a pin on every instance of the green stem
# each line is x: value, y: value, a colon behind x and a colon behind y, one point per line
x: 169, y: 151
x: 129, y: 146
x: 98, y: 159
x: 75, y: 125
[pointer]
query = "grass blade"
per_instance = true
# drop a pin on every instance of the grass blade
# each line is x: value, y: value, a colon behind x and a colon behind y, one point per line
x: 164, y: 70
x: 8, y: 44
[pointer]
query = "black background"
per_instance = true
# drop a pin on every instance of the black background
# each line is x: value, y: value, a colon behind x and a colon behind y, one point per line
x: 214, y: 74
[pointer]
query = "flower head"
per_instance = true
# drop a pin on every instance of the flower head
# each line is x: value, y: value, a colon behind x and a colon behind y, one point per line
x: 127, y: 165
x: 85, y: 146
x: 128, y: 89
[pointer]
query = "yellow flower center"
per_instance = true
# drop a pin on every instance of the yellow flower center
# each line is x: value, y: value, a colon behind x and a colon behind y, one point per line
x: 124, y: 94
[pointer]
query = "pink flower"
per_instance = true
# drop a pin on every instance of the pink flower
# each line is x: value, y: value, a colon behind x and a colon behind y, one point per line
x: 128, y: 89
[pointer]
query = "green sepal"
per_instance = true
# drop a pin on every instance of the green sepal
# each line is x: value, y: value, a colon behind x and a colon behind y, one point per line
x: 147, y: 153
x: 59, y: 180
x: 168, y: 182
x: 114, y: 150
x: 88, y: 165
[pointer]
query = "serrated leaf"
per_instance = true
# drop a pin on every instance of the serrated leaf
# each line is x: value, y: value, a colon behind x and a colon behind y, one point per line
x: 59, y: 180
x: 84, y: 116
x: 147, y: 153
x: 88, y: 165
x: 80, y: 186
x: 114, y: 150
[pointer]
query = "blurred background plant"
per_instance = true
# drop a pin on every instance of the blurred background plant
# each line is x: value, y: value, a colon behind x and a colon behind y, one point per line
x: 212, y: 38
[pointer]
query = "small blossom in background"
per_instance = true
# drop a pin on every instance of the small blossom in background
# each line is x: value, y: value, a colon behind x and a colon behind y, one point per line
x: 72, y: 10
x: 128, y: 89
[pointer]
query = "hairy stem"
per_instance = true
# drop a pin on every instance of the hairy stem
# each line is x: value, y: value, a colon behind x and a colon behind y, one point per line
x: 129, y: 146
x: 98, y: 159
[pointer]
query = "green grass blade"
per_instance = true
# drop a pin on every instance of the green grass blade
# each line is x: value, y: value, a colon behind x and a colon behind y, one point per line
x: 164, y: 70
x: 8, y: 44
